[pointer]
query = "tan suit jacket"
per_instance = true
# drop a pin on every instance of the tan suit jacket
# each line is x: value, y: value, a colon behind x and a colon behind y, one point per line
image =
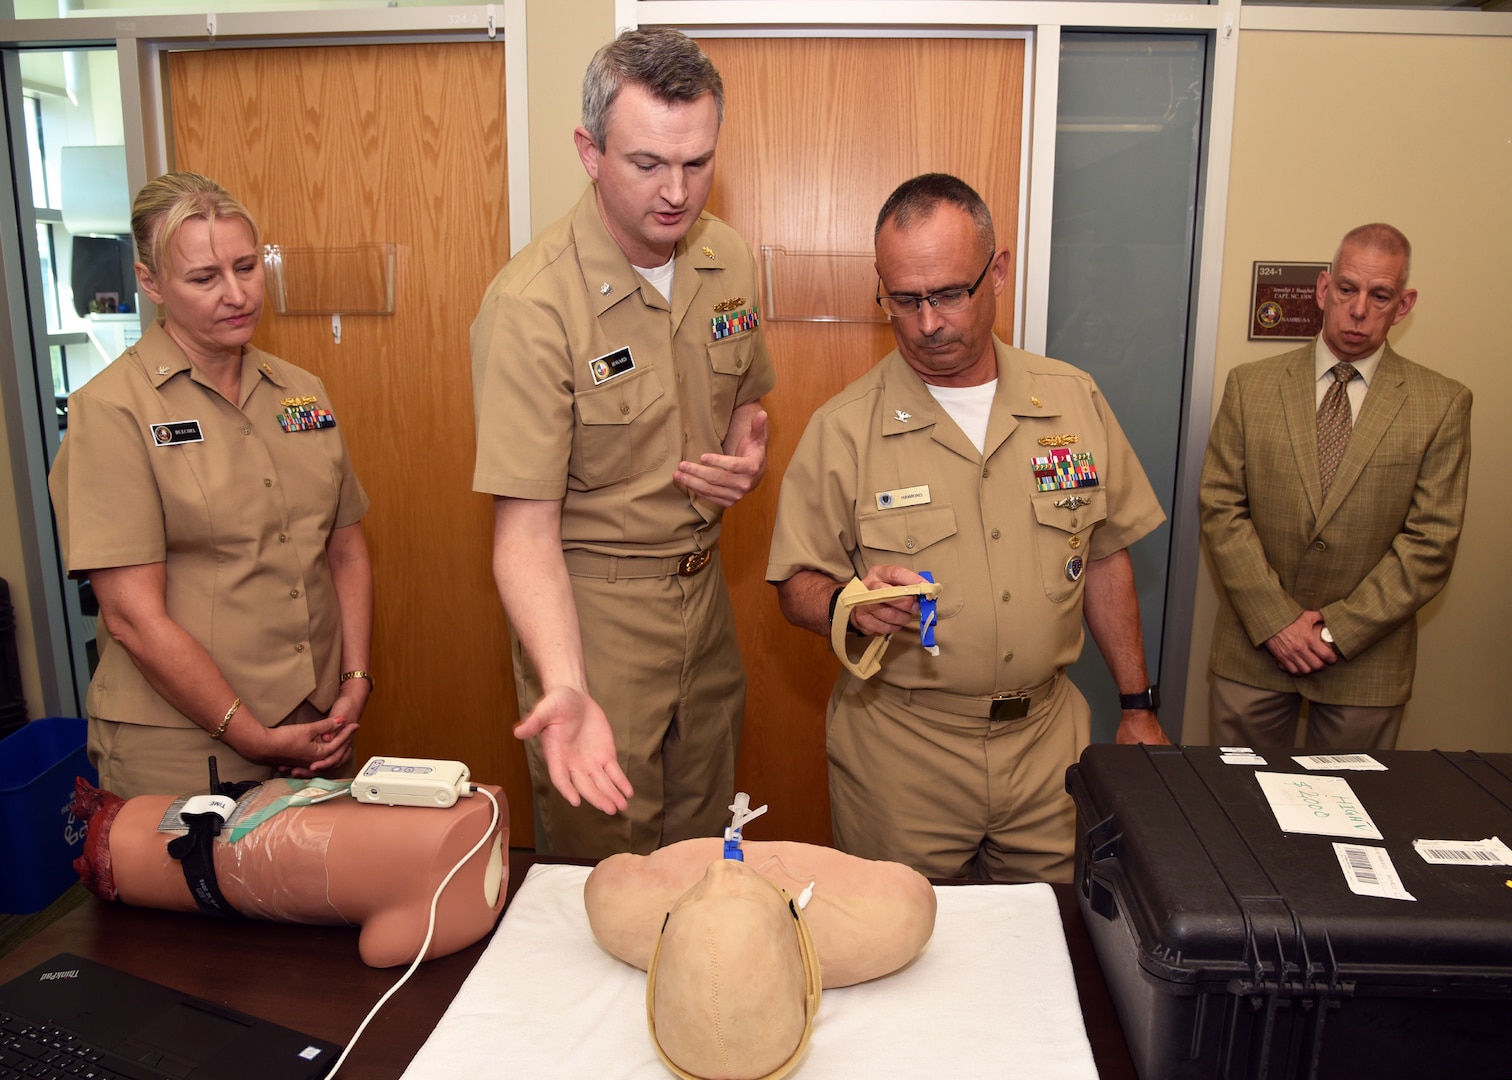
x: 1368, y: 557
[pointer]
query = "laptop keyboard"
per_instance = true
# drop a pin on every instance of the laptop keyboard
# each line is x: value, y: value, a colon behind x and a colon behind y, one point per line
x: 38, y: 1052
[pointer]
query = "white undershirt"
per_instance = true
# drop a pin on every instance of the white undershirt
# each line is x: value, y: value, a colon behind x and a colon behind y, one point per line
x: 969, y: 406
x: 660, y: 277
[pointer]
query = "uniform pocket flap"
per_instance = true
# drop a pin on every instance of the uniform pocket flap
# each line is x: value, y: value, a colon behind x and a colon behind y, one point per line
x: 1073, y: 510
x: 620, y: 400
x: 908, y: 530
x: 732, y: 355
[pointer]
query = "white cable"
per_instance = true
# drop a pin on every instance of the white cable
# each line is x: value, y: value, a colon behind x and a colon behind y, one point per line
x: 430, y: 929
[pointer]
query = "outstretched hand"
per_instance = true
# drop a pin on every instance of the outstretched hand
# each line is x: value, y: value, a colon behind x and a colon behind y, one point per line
x: 725, y: 479
x: 579, y: 749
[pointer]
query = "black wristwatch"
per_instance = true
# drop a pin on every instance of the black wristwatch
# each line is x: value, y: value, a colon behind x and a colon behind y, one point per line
x: 1148, y: 698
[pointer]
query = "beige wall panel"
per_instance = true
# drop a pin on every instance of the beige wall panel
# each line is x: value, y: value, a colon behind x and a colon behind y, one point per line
x: 562, y: 37
x: 330, y: 147
x: 817, y: 134
x: 1335, y: 130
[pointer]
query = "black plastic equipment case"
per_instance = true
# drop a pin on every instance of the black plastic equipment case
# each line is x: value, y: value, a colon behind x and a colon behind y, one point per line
x: 1235, y: 950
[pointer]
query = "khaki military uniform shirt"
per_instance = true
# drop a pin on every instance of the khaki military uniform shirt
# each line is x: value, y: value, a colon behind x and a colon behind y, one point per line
x: 156, y: 467
x: 590, y: 387
x: 882, y: 475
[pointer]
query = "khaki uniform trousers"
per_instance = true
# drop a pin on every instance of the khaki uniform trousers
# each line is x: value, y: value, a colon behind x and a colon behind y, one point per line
x: 1243, y: 715
x: 664, y: 665
x: 955, y: 796
x: 139, y: 759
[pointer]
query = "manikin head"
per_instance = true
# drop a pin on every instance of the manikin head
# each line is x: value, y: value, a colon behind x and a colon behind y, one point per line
x: 734, y: 983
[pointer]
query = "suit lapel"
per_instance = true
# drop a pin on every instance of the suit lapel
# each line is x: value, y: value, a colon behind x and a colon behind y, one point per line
x: 1388, y: 390
x: 1298, y: 402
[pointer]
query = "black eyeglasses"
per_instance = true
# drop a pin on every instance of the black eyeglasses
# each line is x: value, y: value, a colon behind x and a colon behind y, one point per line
x: 947, y: 302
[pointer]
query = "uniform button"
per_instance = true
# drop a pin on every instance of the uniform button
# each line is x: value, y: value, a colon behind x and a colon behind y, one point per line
x: 267, y: 481
x: 299, y: 648
x: 294, y: 594
x: 909, y: 543
x: 1320, y: 545
x: 986, y: 473
x: 624, y: 407
x: 1007, y: 596
x: 246, y: 430
x: 283, y: 538
x: 1007, y: 658
x: 997, y: 534
x: 1075, y: 542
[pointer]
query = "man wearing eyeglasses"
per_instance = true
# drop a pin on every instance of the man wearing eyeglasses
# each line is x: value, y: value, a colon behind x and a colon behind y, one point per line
x: 1005, y: 476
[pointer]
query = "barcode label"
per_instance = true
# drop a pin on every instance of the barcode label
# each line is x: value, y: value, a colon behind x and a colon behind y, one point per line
x: 1360, y: 762
x: 1369, y: 871
x: 1488, y: 852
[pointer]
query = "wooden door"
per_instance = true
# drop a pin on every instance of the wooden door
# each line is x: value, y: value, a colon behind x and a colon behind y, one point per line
x: 817, y: 133
x: 331, y: 147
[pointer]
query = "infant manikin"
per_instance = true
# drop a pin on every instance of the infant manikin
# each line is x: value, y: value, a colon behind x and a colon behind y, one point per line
x: 307, y: 852
x: 738, y: 936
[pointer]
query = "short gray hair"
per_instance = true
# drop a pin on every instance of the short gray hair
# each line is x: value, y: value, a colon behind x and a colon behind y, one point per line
x: 664, y: 62
x: 916, y: 200
x: 1379, y: 236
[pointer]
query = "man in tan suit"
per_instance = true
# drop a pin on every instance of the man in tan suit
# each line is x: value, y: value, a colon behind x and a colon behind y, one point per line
x: 1324, y: 578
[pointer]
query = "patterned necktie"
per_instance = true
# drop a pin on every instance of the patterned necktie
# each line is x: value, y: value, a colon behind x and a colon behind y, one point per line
x: 1334, y: 423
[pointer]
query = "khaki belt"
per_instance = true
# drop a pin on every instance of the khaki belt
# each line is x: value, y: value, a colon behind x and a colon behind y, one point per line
x: 1011, y: 706
x: 614, y: 567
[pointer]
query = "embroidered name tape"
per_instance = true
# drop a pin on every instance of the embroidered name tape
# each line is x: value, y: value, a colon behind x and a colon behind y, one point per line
x: 176, y: 431
x: 610, y: 365
x: 909, y: 496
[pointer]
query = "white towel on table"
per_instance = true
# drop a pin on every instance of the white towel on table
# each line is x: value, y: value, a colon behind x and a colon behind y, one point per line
x: 992, y: 995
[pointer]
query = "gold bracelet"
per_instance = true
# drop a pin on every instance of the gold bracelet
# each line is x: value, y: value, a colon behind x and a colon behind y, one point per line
x: 226, y: 720
x: 358, y: 674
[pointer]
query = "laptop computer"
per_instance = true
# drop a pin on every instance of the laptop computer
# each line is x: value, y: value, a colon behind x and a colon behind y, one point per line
x: 142, y: 1030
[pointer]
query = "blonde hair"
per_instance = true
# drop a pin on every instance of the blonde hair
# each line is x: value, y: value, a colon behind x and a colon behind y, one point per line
x: 167, y: 201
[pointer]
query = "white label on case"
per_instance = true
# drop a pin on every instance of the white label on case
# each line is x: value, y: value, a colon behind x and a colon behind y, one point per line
x: 1370, y: 872
x: 1321, y: 805
x: 1488, y: 852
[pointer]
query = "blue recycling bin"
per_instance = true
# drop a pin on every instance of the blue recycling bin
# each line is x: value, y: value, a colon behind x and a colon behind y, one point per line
x: 39, y: 836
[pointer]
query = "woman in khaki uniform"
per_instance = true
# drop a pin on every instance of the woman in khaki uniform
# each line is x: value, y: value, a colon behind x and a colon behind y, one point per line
x: 205, y: 490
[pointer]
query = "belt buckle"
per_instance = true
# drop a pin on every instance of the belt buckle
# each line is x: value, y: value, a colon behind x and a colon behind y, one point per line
x: 1009, y: 707
x: 693, y: 562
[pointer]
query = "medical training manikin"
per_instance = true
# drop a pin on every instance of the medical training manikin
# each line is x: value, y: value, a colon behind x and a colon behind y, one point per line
x: 737, y: 938
x: 302, y: 851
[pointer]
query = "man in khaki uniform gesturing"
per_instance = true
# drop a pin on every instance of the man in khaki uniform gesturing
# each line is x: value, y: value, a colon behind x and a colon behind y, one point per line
x: 618, y: 366
x: 1005, y: 475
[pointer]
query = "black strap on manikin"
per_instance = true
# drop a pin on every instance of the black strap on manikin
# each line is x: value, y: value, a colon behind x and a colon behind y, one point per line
x: 195, y: 850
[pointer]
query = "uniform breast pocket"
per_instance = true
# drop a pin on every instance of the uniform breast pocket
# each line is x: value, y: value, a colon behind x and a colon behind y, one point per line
x: 1063, y: 536
x: 729, y: 359
x: 621, y: 429
x: 919, y: 539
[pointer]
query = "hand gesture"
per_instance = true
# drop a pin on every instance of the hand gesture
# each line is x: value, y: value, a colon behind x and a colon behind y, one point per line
x: 725, y: 479
x: 579, y: 749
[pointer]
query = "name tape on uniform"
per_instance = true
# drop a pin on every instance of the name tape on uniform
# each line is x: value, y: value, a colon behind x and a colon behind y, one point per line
x: 909, y: 496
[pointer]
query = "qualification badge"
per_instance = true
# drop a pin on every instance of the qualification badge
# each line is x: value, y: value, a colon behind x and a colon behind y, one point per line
x: 302, y: 414
x: 1063, y: 470
x: 1074, y: 568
